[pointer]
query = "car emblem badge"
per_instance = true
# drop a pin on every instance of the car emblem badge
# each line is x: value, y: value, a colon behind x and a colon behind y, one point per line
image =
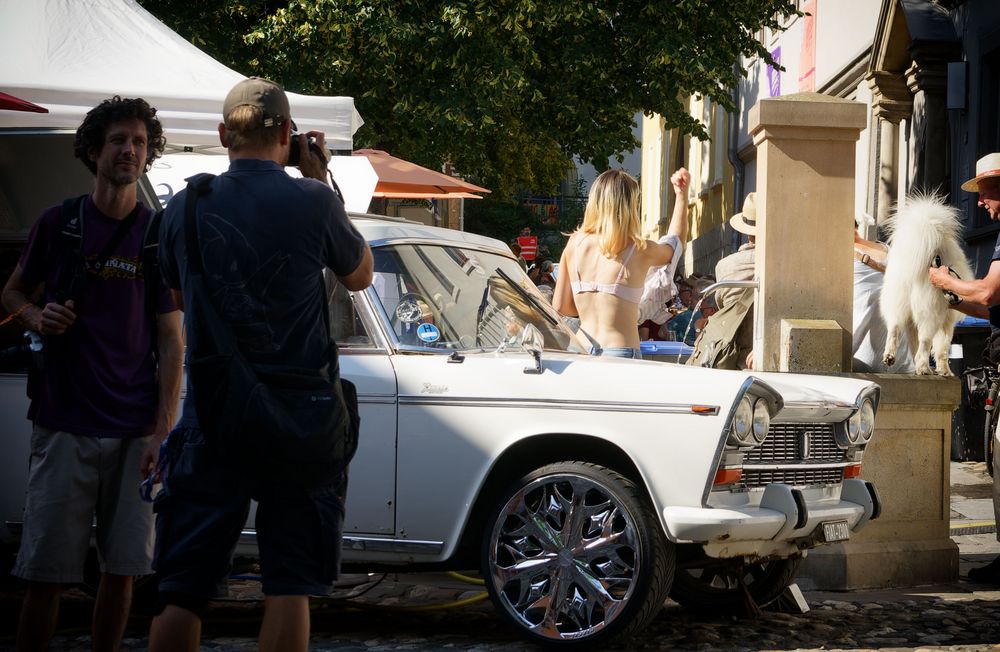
x: 805, y: 444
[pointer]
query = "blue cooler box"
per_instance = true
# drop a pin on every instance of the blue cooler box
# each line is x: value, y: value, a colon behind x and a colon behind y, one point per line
x: 663, y: 351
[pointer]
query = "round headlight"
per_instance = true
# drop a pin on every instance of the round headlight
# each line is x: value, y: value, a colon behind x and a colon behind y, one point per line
x: 743, y: 420
x: 761, y: 420
x: 866, y: 420
x: 854, y: 427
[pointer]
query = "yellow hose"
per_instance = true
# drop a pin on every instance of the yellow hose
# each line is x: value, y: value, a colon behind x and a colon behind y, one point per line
x: 478, y: 581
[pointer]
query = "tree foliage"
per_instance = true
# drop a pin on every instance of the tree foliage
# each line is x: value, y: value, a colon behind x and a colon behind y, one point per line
x: 506, y: 90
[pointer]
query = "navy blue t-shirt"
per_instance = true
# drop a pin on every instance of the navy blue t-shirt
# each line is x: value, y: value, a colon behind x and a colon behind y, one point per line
x: 265, y: 238
x: 995, y: 310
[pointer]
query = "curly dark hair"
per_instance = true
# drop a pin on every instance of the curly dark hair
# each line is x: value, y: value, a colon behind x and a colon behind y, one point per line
x: 90, y: 134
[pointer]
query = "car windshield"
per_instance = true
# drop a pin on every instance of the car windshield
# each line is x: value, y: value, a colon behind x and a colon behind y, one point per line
x: 445, y: 297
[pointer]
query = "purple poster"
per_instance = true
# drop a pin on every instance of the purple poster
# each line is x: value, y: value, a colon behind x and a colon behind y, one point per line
x: 774, y: 75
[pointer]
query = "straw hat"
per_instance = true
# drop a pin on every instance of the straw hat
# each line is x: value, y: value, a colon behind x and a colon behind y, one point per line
x: 987, y: 167
x: 746, y: 222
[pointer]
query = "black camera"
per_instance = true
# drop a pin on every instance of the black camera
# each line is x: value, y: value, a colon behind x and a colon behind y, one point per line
x: 293, y: 152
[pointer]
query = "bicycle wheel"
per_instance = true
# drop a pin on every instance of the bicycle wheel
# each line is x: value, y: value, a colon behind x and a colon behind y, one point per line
x: 990, y: 424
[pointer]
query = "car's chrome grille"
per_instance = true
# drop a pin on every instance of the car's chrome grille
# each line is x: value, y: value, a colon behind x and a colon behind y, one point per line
x: 792, y: 476
x: 799, y: 450
x: 797, y: 442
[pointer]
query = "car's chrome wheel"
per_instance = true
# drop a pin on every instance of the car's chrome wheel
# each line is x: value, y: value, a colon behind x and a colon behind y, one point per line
x: 574, y: 555
x: 704, y: 583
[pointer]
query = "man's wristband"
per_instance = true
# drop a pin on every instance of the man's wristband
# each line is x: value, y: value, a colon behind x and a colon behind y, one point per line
x: 17, y: 314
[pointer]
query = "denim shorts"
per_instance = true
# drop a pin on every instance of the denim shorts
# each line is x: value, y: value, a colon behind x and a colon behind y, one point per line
x: 616, y: 352
x: 203, y: 507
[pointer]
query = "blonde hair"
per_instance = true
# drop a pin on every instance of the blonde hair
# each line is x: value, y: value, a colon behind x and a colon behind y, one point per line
x: 245, y: 128
x: 612, y: 212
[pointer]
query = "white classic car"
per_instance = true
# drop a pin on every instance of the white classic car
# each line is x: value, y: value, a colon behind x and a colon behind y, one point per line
x: 585, y: 489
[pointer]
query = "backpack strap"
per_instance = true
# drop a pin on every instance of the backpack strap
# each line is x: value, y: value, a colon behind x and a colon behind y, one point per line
x: 198, y: 185
x: 71, y: 276
x: 151, y: 276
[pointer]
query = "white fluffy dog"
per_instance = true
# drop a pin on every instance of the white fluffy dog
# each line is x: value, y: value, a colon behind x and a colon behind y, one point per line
x: 923, y: 229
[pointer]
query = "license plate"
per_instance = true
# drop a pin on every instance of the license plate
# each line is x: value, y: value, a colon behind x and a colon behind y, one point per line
x: 835, y: 531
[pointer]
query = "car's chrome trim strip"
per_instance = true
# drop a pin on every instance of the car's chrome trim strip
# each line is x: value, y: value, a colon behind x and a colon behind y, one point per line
x: 372, y: 544
x: 798, y: 466
x: 382, y: 399
x: 556, y: 404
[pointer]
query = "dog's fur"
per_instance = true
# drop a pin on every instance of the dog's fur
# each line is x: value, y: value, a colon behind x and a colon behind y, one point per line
x: 923, y: 228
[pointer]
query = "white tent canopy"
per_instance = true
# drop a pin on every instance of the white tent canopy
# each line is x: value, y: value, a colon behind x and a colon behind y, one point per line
x: 69, y: 55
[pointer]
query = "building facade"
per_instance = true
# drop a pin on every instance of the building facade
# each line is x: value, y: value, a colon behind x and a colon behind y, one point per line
x: 928, y: 72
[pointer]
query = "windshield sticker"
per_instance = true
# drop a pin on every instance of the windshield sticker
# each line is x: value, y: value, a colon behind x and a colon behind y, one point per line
x: 428, y: 333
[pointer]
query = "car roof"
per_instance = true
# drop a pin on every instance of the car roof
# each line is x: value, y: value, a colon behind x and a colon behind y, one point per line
x: 381, y: 230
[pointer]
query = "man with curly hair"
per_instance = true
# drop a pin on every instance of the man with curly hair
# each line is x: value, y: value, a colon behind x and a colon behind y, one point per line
x: 109, y: 388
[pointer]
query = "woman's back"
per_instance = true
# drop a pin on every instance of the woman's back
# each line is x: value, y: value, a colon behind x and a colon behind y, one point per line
x: 607, y: 290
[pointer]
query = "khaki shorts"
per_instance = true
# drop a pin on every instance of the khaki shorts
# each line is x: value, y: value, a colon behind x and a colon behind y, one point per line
x: 73, y: 482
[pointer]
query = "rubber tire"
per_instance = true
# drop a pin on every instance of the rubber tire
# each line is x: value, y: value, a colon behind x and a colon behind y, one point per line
x: 652, y: 585
x: 769, y: 579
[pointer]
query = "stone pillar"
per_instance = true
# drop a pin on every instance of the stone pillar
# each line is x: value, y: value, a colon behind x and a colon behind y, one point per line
x: 929, y: 132
x: 892, y: 102
x: 805, y: 211
x: 909, y: 461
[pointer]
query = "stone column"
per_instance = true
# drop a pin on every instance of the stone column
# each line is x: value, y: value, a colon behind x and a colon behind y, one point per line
x: 805, y: 211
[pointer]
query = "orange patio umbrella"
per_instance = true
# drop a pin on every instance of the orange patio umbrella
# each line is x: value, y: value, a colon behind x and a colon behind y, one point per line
x: 398, y: 178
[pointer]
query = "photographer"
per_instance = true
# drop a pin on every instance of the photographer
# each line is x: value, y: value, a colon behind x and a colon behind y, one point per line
x: 105, y: 398
x: 253, y: 281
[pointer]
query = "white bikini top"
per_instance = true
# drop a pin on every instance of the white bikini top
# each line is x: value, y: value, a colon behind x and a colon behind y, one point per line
x: 618, y: 289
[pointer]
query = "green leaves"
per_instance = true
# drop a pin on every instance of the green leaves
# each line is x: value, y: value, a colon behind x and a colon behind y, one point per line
x: 508, y: 91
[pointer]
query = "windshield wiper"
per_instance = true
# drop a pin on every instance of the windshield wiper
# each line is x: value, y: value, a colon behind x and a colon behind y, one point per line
x: 479, y: 313
x: 527, y: 297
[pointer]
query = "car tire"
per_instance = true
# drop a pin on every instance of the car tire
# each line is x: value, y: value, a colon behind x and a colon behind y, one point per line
x: 715, y: 585
x: 545, y: 539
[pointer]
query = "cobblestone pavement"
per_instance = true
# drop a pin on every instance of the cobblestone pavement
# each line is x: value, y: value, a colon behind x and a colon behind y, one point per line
x: 954, y: 617
x: 438, y: 612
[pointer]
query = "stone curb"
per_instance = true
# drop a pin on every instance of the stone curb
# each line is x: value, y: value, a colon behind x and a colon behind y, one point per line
x: 973, y: 527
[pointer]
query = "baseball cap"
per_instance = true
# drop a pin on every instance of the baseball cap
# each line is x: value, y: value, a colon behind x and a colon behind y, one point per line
x: 262, y: 93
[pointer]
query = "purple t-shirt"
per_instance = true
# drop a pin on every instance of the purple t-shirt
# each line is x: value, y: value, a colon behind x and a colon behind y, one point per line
x: 100, y: 376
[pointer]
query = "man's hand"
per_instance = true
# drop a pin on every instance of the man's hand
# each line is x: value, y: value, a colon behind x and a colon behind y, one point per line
x: 55, y: 318
x: 680, y: 180
x: 309, y: 164
x: 940, y: 276
x: 150, y: 459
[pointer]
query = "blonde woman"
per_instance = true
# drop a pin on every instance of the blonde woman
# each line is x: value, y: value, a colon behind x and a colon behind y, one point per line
x: 604, y: 264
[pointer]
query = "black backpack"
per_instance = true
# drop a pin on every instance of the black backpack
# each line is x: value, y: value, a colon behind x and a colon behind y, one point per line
x: 286, y: 423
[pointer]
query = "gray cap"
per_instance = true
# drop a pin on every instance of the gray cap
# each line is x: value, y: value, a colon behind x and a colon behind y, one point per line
x: 262, y: 93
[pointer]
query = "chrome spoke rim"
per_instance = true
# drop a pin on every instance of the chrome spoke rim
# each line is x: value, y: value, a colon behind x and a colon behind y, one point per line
x: 564, y: 556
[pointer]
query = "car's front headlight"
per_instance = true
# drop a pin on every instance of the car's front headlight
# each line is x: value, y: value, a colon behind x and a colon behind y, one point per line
x: 866, y: 420
x: 743, y: 421
x: 761, y: 421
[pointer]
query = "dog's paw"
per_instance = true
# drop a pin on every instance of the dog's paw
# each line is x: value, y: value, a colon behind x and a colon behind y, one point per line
x: 923, y: 370
x: 888, y: 360
x: 945, y: 371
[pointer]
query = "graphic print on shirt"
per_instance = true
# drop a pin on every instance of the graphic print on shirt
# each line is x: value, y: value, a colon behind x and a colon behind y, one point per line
x: 239, y: 281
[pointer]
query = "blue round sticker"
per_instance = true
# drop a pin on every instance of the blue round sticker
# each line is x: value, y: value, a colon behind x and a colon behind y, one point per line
x: 428, y: 333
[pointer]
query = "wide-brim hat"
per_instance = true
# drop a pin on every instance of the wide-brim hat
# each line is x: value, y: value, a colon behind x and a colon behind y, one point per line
x: 746, y: 221
x: 987, y: 167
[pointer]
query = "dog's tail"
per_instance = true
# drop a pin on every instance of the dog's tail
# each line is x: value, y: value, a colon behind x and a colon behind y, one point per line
x: 922, y: 228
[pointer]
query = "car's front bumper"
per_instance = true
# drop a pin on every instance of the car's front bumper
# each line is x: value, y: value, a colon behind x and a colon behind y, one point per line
x: 783, y: 522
